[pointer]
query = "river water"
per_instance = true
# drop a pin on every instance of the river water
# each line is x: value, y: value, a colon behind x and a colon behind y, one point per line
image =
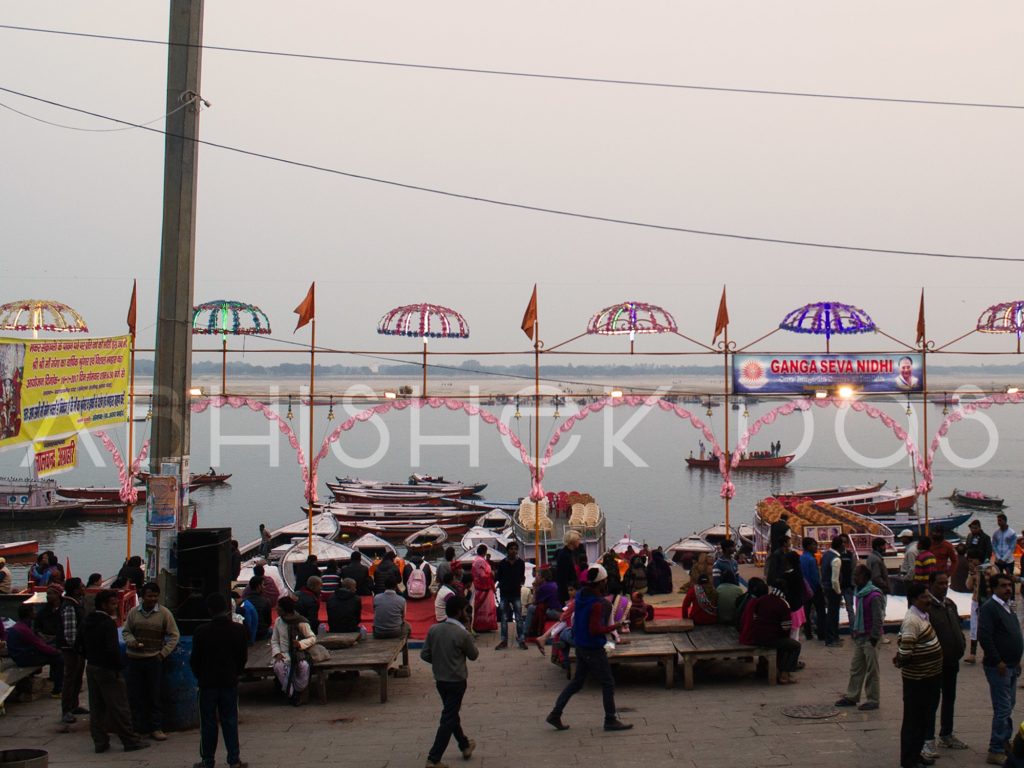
x: 630, y: 459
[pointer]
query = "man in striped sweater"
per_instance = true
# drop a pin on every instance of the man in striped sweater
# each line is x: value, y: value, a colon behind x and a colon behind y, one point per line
x: 919, y: 658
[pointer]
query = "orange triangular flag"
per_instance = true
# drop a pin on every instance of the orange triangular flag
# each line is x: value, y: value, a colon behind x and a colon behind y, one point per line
x: 722, y: 319
x: 131, y: 311
x: 920, y: 322
x: 194, y: 523
x: 306, y: 310
x: 67, y: 568
x: 529, y: 325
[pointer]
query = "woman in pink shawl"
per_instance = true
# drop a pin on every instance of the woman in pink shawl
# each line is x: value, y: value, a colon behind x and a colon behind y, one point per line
x: 485, y: 615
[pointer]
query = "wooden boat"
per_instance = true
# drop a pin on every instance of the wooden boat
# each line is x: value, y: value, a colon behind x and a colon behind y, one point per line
x: 493, y: 538
x: 746, y: 533
x: 416, y: 484
x: 371, y: 546
x: 19, y: 549
x: 397, y: 530
x: 196, y: 481
x: 752, y: 462
x: 976, y: 499
x: 819, y: 520
x: 324, y: 549
x: 343, y: 493
x: 915, y: 522
x: 398, y: 513
x: 325, y: 526
x: 946, y: 401
x: 482, y: 505
x: 492, y: 554
x: 30, y: 499
x: 426, y: 539
x: 716, y: 534
x: 96, y: 493
x: 827, y: 493
x: 877, y: 503
x: 533, y: 522
x: 626, y: 543
x: 688, y: 549
x: 99, y: 508
x: 496, y: 519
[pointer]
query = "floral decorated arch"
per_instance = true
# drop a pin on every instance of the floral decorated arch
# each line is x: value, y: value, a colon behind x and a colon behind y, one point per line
x: 128, y: 494
x: 399, y: 405
x: 805, y: 404
x: 957, y: 414
x: 632, y: 401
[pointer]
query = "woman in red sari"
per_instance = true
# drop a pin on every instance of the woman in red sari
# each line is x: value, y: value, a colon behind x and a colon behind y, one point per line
x: 485, y: 614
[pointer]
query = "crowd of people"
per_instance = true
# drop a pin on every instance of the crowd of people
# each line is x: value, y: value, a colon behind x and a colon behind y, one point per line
x: 571, y: 604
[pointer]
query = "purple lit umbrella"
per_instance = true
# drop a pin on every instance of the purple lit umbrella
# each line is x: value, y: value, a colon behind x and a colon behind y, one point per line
x: 828, y: 318
x: 1006, y: 317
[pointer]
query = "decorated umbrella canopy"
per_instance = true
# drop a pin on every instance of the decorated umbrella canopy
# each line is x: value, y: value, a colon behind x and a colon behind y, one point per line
x: 428, y: 321
x: 41, y: 315
x: 632, y: 317
x: 224, y: 317
x: 1006, y: 317
x: 828, y: 318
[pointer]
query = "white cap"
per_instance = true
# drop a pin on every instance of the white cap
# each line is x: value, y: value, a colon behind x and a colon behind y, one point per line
x: 905, y: 532
x: 599, y: 573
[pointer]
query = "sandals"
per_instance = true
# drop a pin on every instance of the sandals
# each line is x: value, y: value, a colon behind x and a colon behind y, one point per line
x: 540, y: 646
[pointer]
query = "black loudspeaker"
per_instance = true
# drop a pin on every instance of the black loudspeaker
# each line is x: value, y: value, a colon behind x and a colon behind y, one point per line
x: 204, y: 567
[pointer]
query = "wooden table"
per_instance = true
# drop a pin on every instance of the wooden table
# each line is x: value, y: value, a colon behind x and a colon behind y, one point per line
x: 664, y: 626
x: 375, y: 655
x: 640, y: 649
x: 718, y: 642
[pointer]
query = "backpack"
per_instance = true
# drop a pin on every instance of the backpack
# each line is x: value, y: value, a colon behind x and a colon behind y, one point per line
x: 416, y: 587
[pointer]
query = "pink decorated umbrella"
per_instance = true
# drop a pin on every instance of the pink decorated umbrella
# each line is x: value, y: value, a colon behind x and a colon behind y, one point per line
x: 224, y: 316
x: 427, y: 321
x: 41, y: 315
x: 632, y: 317
x: 828, y: 318
x: 1006, y: 317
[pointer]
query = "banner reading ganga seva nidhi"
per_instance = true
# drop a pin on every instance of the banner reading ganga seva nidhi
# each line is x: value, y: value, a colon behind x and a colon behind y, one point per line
x: 55, y: 387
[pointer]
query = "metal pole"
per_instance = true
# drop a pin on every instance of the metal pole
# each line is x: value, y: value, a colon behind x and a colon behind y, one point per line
x: 536, y: 436
x: 924, y: 405
x: 224, y: 364
x: 728, y: 458
x: 309, y: 459
x: 131, y: 434
x: 424, y: 390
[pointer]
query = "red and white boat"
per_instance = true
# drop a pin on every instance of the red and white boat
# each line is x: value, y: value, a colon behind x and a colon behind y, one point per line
x: 19, y: 549
x: 396, y: 531
x: 97, y: 493
x: 371, y: 496
x: 877, y: 503
x: 831, y: 493
x: 751, y: 462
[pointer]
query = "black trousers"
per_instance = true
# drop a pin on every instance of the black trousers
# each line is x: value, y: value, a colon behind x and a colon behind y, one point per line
x: 948, y: 695
x: 817, y: 602
x: 451, y: 723
x: 787, y: 653
x: 833, y: 601
x: 144, y: 677
x: 919, y: 701
x: 590, y: 661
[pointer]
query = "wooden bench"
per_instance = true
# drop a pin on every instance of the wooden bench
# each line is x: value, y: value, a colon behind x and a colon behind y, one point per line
x: 721, y: 643
x: 11, y: 677
x: 372, y: 654
x: 641, y: 649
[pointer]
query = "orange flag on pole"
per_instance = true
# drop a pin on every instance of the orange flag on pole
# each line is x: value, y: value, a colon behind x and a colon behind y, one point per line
x: 920, y: 322
x: 723, y: 317
x: 131, y: 311
x: 67, y: 567
x: 306, y: 310
x: 530, y: 316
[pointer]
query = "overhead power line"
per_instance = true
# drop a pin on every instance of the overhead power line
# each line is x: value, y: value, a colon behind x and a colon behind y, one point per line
x: 533, y: 75
x: 524, y: 206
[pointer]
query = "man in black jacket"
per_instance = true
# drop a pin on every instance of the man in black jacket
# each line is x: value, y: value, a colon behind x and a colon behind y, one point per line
x: 359, y: 573
x: 945, y: 618
x: 108, y: 693
x: 511, y: 577
x: 219, y: 654
x: 1000, y: 637
x: 344, y: 608
x: 262, y: 605
x: 307, y: 601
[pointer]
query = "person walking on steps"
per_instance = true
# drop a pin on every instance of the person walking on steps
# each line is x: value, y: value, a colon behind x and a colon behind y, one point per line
x: 447, y: 646
x: 590, y: 627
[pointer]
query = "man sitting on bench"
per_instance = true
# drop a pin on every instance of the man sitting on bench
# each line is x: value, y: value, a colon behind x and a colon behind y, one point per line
x: 27, y: 649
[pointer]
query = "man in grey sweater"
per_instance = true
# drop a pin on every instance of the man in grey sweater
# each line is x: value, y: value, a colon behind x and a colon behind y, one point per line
x: 446, y: 648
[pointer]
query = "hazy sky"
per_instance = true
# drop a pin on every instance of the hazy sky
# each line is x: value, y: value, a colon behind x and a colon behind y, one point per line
x: 81, y: 211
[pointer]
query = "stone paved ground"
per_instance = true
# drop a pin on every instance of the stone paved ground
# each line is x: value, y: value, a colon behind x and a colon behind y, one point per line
x: 729, y: 719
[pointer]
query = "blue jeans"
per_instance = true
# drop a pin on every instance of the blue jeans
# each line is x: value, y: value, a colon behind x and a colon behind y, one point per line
x: 1003, y: 689
x: 510, y: 606
x: 222, y: 703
